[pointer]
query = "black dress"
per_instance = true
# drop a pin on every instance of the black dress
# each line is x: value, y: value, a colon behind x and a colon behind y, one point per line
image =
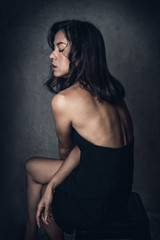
x: 100, y: 184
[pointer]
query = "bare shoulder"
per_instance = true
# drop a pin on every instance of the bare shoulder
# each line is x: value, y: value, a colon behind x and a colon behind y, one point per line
x: 126, y: 118
x: 62, y: 111
x: 65, y: 101
x: 67, y: 97
x: 58, y: 102
x: 123, y: 110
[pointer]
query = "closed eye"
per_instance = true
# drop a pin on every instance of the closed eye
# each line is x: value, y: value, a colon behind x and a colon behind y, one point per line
x: 61, y: 50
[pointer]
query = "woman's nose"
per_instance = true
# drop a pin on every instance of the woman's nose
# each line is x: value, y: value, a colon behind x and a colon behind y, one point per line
x: 52, y: 55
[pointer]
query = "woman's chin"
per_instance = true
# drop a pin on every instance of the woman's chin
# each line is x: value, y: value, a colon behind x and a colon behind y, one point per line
x: 59, y: 75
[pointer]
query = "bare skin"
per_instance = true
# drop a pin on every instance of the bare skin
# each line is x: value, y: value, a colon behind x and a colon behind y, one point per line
x: 38, y: 173
x: 42, y: 176
x: 100, y: 123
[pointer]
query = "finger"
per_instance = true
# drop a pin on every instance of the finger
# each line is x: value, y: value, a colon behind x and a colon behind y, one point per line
x: 38, y: 214
x: 46, y: 212
x: 45, y: 221
x: 37, y: 218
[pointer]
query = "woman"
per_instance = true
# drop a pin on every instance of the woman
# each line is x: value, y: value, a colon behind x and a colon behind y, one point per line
x: 95, y: 138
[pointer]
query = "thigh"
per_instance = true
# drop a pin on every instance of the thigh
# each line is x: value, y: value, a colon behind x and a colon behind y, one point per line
x: 42, y: 169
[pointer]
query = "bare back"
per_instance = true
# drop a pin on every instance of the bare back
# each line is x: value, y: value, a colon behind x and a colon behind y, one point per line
x: 100, y: 123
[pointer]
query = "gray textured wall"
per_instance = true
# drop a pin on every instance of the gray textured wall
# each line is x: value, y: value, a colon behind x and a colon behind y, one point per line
x: 131, y: 34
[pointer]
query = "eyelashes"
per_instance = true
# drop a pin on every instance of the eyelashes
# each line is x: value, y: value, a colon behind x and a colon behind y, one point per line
x: 61, y: 50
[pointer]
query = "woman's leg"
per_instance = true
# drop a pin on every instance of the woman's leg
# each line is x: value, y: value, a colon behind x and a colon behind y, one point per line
x: 39, y: 172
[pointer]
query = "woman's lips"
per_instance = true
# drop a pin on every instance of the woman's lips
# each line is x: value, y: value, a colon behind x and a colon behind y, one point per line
x: 53, y: 66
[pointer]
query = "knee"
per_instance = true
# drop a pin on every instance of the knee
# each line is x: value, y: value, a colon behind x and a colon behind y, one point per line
x: 29, y: 165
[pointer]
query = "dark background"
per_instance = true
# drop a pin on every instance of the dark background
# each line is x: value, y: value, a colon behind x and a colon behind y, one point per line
x: 131, y: 33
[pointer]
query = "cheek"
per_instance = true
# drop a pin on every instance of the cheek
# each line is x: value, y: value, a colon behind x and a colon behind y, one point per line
x: 65, y: 64
x: 63, y: 67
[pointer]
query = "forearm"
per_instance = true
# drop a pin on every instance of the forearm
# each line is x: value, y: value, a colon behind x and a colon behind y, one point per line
x: 70, y: 163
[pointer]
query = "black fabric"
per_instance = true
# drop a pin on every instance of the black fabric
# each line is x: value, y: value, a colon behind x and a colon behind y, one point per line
x: 70, y: 211
x: 102, y: 170
x: 100, y: 184
x: 131, y: 223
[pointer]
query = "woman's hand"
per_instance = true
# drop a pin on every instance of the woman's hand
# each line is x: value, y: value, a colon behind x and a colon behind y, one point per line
x: 44, y: 205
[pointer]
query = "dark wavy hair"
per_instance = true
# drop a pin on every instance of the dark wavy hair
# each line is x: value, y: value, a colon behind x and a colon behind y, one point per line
x: 87, y: 46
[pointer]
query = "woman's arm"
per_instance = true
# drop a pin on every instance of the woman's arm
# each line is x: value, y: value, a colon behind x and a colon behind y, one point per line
x: 70, y: 163
x: 63, y: 152
x: 63, y: 113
